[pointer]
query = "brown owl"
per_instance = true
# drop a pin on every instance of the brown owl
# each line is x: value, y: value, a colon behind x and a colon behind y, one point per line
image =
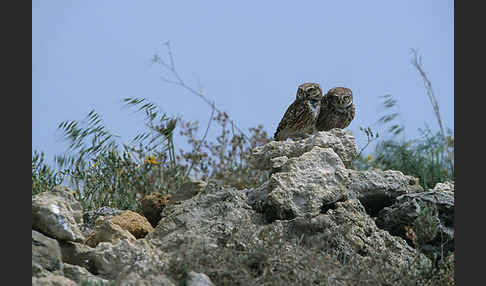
x: 337, y: 109
x: 300, y: 118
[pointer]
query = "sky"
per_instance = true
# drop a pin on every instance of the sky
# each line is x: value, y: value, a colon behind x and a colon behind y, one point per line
x: 248, y: 57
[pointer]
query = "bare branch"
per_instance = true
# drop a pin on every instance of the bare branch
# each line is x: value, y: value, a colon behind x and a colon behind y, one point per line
x: 417, y: 63
x: 179, y: 81
x: 200, y: 143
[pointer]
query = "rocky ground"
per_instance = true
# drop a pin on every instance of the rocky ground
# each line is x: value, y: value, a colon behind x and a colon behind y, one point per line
x: 316, y: 221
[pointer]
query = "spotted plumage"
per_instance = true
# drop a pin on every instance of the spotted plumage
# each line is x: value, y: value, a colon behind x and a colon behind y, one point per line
x: 337, y: 109
x: 300, y: 118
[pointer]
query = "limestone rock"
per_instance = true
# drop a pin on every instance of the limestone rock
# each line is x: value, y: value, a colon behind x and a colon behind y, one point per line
x: 341, y: 141
x: 188, y: 190
x: 198, y: 279
x: 303, y: 186
x: 90, y: 217
x: 134, y: 279
x: 136, y: 224
x: 46, y: 254
x: 152, y: 205
x: 110, y: 261
x: 447, y: 186
x: 80, y: 275
x: 349, y: 231
x: 408, y: 207
x: 377, y: 189
x: 57, y: 214
x: 76, y: 253
x: 107, y: 231
x: 52, y: 280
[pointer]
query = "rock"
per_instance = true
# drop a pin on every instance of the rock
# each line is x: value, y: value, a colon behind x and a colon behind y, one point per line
x: 76, y: 253
x: 198, y: 279
x: 313, y: 218
x: 152, y: 205
x: 57, y: 214
x: 407, y: 208
x: 111, y: 261
x: 350, y: 232
x: 46, y: 254
x: 447, y: 186
x: 134, y: 279
x: 80, y: 275
x: 107, y: 231
x: 303, y: 186
x: 207, y: 219
x: 377, y: 189
x: 53, y: 280
x: 136, y: 224
x: 90, y: 217
x: 187, y: 190
x: 341, y: 141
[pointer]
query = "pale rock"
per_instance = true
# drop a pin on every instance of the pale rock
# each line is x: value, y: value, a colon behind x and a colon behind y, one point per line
x: 57, y: 214
x: 341, y: 141
x: 302, y: 186
x: 107, y: 231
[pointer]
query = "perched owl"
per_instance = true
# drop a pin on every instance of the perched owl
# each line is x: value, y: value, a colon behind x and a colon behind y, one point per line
x: 300, y: 118
x: 337, y: 109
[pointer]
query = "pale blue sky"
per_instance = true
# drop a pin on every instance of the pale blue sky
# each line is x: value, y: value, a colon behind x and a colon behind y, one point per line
x: 249, y: 57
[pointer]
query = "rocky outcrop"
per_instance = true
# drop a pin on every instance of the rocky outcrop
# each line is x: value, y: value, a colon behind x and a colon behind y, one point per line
x: 134, y: 223
x: 313, y: 201
x: 151, y: 207
x: 303, y: 186
x: 57, y: 214
x: 79, y: 275
x: 407, y: 208
x: 107, y: 231
x: 270, y: 156
x: 377, y: 189
x: 46, y: 255
x: 52, y: 280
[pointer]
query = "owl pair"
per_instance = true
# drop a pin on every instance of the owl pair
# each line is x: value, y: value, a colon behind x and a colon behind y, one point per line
x: 312, y: 111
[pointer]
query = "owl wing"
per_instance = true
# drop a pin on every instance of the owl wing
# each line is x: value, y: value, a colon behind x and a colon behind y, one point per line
x: 293, y: 120
x: 323, y: 114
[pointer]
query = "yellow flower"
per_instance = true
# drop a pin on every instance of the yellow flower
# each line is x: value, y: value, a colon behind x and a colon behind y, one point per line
x: 151, y: 160
x: 369, y: 158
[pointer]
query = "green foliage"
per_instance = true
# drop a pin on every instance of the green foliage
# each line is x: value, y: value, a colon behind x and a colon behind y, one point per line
x: 43, y: 177
x: 429, y: 158
x: 225, y: 159
x: 103, y: 172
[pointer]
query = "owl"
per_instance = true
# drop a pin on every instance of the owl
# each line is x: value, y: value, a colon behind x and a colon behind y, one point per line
x: 337, y: 109
x: 300, y: 118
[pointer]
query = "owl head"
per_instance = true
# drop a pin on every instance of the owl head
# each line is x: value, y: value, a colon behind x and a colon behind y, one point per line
x: 340, y: 97
x: 309, y: 91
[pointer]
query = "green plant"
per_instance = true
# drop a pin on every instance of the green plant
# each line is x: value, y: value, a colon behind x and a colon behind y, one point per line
x: 106, y: 173
x: 226, y: 158
x: 43, y: 177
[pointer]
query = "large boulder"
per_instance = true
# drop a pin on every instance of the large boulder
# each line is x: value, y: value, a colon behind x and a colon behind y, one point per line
x: 57, y: 214
x: 107, y: 231
x: 52, y: 280
x: 79, y: 275
x: 340, y: 141
x: 136, y: 224
x: 406, y: 210
x: 312, y: 221
x: 377, y: 189
x: 46, y: 255
x: 303, y: 185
